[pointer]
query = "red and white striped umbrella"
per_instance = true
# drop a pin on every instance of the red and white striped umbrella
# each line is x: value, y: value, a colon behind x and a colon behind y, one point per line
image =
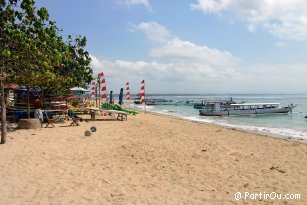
x: 103, y: 86
x: 142, y: 92
x: 127, y: 91
x: 93, y: 90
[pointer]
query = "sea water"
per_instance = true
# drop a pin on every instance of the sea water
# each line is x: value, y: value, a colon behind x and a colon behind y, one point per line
x: 291, y: 125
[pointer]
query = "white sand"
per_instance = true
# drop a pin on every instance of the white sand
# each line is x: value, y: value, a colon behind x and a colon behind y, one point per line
x: 148, y: 159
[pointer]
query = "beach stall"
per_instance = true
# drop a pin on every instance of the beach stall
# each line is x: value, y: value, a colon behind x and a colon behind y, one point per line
x: 79, y: 92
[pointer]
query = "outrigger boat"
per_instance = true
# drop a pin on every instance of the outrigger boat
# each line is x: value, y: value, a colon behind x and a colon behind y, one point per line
x: 159, y: 102
x: 247, y: 109
x: 186, y: 103
x: 155, y: 101
x: 208, y: 105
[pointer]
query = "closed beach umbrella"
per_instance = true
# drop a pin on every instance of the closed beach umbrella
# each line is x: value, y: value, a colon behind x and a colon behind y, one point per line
x: 111, y: 97
x: 121, y: 95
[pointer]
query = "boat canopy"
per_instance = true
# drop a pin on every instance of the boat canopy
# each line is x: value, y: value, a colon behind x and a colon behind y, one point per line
x: 254, y: 104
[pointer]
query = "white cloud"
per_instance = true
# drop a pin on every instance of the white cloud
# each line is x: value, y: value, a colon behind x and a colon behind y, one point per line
x: 172, y: 49
x: 251, y: 28
x: 275, y: 78
x: 197, y: 78
x: 154, y: 31
x: 96, y: 63
x: 180, y: 66
x: 285, y: 19
x: 136, y: 2
x: 177, y: 63
x: 180, y: 50
x: 280, y: 45
x: 210, y: 6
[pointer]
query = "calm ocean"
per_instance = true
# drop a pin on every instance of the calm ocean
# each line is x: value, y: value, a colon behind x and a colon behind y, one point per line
x: 290, y: 125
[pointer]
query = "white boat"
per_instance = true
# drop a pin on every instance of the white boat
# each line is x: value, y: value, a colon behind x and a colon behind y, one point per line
x: 246, y: 109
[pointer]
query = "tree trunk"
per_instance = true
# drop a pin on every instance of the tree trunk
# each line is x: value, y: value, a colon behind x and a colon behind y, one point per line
x: 28, y: 101
x: 3, y: 113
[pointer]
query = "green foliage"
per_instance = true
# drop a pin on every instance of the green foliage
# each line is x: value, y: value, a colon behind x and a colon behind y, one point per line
x: 76, y: 64
x: 33, y: 54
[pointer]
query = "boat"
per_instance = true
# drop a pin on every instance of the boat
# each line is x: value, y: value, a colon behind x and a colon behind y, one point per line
x: 137, y: 101
x: 186, y: 103
x: 155, y: 101
x: 247, y: 109
x: 159, y: 102
x: 306, y: 116
x: 204, y: 105
x: 208, y: 105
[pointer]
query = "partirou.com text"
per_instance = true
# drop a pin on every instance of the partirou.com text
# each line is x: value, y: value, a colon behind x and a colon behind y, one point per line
x: 266, y: 196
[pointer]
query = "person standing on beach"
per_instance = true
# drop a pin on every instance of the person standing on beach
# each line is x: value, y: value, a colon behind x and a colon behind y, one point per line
x: 37, y: 103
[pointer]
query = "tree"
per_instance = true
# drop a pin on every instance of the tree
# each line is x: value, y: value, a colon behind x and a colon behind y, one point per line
x: 7, y: 24
x: 75, y: 68
x: 33, y: 54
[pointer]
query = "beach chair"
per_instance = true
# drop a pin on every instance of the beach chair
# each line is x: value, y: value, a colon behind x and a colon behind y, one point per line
x: 75, y: 121
x: 49, y: 120
x: 75, y: 118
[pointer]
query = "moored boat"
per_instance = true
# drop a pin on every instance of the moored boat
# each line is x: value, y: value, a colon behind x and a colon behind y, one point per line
x: 186, y: 103
x: 246, y: 109
x: 208, y: 105
x: 159, y: 102
x: 137, y: 100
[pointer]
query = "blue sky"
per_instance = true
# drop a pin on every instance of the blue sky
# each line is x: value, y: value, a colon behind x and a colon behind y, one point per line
x: 192, y: 46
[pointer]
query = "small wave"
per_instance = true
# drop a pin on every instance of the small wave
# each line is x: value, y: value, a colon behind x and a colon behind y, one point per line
x: 260, y: 97
x: 276, y: 131
x: 142, y: 107
x: 265, y: 130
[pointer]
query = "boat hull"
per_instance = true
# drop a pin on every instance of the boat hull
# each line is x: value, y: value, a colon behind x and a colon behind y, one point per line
x: 226, y: 112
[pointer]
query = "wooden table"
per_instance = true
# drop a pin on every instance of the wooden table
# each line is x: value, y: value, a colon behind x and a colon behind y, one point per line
x: 120, y: 114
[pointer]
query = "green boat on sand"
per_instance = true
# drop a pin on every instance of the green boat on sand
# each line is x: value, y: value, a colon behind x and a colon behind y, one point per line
x: 108, y: 106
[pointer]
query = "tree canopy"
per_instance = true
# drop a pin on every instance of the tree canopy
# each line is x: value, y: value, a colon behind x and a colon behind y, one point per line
x: 34, y: 53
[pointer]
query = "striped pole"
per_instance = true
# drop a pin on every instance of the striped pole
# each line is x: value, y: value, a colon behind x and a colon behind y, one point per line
x: 127, y: 91
x: 93, y: 90
x: 103, y: 87
x: 143, y: 94
x: 93, y: 87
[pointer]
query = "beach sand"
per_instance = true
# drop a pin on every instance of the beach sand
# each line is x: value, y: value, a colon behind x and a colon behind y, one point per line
x: 149, y: 159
